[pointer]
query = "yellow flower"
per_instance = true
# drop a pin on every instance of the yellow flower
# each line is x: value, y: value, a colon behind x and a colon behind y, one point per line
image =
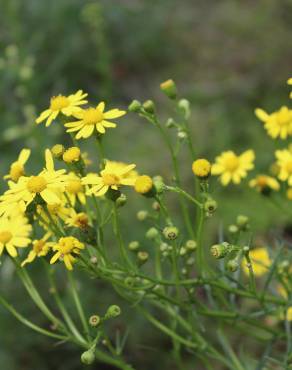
x: 277, y: 124
x: 14, y: 233
x: 93, y: 118
x: 48, y: 184
x: 79, y: 220
x: 284, y: 161
x: 201, y: 168
x: 56, y: 210
x: 17, y: 167
x: 120, y: 166
x: 40, y: 248
x: 110, y: 178
x: 65, y: 249
x: 143, y: 184
x: 72, y: 154
x: 260, y: 260
x: 232, y: 167
x: 264, y: 183
x: 67, y: 105
x: 74, y: 189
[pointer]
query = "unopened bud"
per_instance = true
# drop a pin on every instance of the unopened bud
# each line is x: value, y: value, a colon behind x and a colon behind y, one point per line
x: 184, y: 105
x: 72, y: 155
x: 149, y: 106
x: 58, y: 151
x: 142, y: 257
x: 135, y: 106
x: 191, y: 245
x: 88, y: 357
x: 94, y: 320
x: 112, y: 312
x: 169, y: 88
x: 233, y: 229
x: 242, y: 222
x: 158, y: 184
x: 152, y: 233
x: 220, y: 250
x: 142, y: 215
x: 210, y: 206
x: 156, y: 206
x: 134, y: 245
x: 183, y: 251
x: 182, y: 135
x: 170, y: 232
x: 170, y: 123
x: 232, y: 265
x: 121, y: 200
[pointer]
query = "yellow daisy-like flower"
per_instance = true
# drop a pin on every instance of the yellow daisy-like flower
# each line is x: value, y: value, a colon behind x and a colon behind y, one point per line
x: 284, y: 161
x: 79, y: 220
x: 264, y: 183
x: 277, y: 124
x: 93, y: 118
x: 17, y: 167
x: 109, y: 178
x: 232, y: 167
x: 260, y: 260
x: 14, y: 233
x: 40, y: 248
x: 120, y: 166
x: 48, y: 184
x: 74, y: 189
x: 67, y: 105
x: 65, y: 249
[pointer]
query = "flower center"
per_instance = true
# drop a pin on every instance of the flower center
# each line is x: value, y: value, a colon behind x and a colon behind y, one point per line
x: 38, y: 246
x: 5, y: 237
x: 36, y: 184
x: 284, y: 117
x: 110, y: 179
x: 59, y: 102
x: 289, y: 166
x: 81, y: 220
x: 232, y: 163
x: 16, y: 171
x: 262, y: 181
x: 66, y: 245
x: 74, y: 187
x: 91, y: 116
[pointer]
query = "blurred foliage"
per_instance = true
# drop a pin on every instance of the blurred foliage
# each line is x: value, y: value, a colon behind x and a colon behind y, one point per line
x: 227, y: 57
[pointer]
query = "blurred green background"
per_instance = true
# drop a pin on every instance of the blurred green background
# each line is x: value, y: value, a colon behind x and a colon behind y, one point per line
x: 227, y: 57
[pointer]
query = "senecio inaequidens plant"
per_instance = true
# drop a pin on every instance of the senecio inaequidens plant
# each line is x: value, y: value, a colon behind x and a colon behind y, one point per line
x: 193, y: 293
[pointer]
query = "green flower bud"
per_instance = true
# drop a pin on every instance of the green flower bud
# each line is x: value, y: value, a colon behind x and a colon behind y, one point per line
x: 134, y: 245
x: 156, y: 206
x: 233, y: 229
x: 163, y: 247
x: 152, y: 233
x: 210, y: 206
x: 121, y: 200
x: 93, y: 260
x: 142, y: 257
x: 191, y: 245
x: 149, y: 106
x: 94, y: 320
x: 242, y: 221
x: 135, y: 106
x: 88, y: 357
x: 220, y: 250
x: 232, y: 265
x: 170, y: 123
x: 170, y: 232
x: 183, y: 251
x: 182, y: 135
x: 130, y: 281
x: 112, y: 312
x: 184, y: 105
x: 158, y: 184
x: 169, y: 88
x: 190, y: 261
x: 142, y: 215
x: 58, y: 151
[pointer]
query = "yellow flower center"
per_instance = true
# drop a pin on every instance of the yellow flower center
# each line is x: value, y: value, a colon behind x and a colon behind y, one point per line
x: 289, y: 166
x: 16, y: 171
x: 81, y: 220
x: 232, y: 163
x: 91, y: 116
x: 59, y: 102
x: 38, y: 246
x: 66, y: 245
x: 74, y: 186
x: 143, y: 184
x: 262, y: 181
x: 110, y: 179
x: 5, y: 236
x: 36, y: 184
x: 284, y: 117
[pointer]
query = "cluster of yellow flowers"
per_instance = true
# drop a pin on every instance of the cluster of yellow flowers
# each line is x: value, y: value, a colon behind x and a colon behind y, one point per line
x: 62, y: 194
x: 233, y: 168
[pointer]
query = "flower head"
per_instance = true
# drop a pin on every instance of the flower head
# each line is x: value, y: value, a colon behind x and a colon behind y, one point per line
x: 284, y: 161
x: 201, y: 168
x: 143, y: 184
x: 79, y: 220
x: 72, y: 155
x: 277, y: 124
x: 67, y: 105
x: 14, y: 233
x: 232, y: 167
x: 17, y: 167
x: 40, y: 248
x: 260, y: 260
x: 109, y: 178
x: 74, y: 189
x: 91, y: 119
x: 65, y: 249
x: 264, y: 183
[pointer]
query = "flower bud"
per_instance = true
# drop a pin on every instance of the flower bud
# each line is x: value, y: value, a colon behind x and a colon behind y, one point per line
x: 94, y: 320
x: 88, y: 357
x: 121, y: 200
x: 201, y: 168
x: 184, y: 105
x: 72, y: 155
x: 158, y: 184
x: 169, y: 88
x: 232, y: 265
x: 143, y: 185
x: 233, y: 229
x: 242, y: 222
x: 170, y: 123
x: 130, y: 281
x: 191, y: 245
x: 163, y: 247
x: 135, y: 106
x: 183, y: 251
x: 190, y: 261
x: 134, y: 245
x: 152, y: 233
x: 220, y: 250
x: 149, y: 106
x: 170, y: 232
x: 210, y: 206
x: 142, y: 257
x: 58, y: 151
x: 93, y: 260
x: 142, y: 215
x: 156, y: 206
x: 182, y: 135
x: 112, y: 312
